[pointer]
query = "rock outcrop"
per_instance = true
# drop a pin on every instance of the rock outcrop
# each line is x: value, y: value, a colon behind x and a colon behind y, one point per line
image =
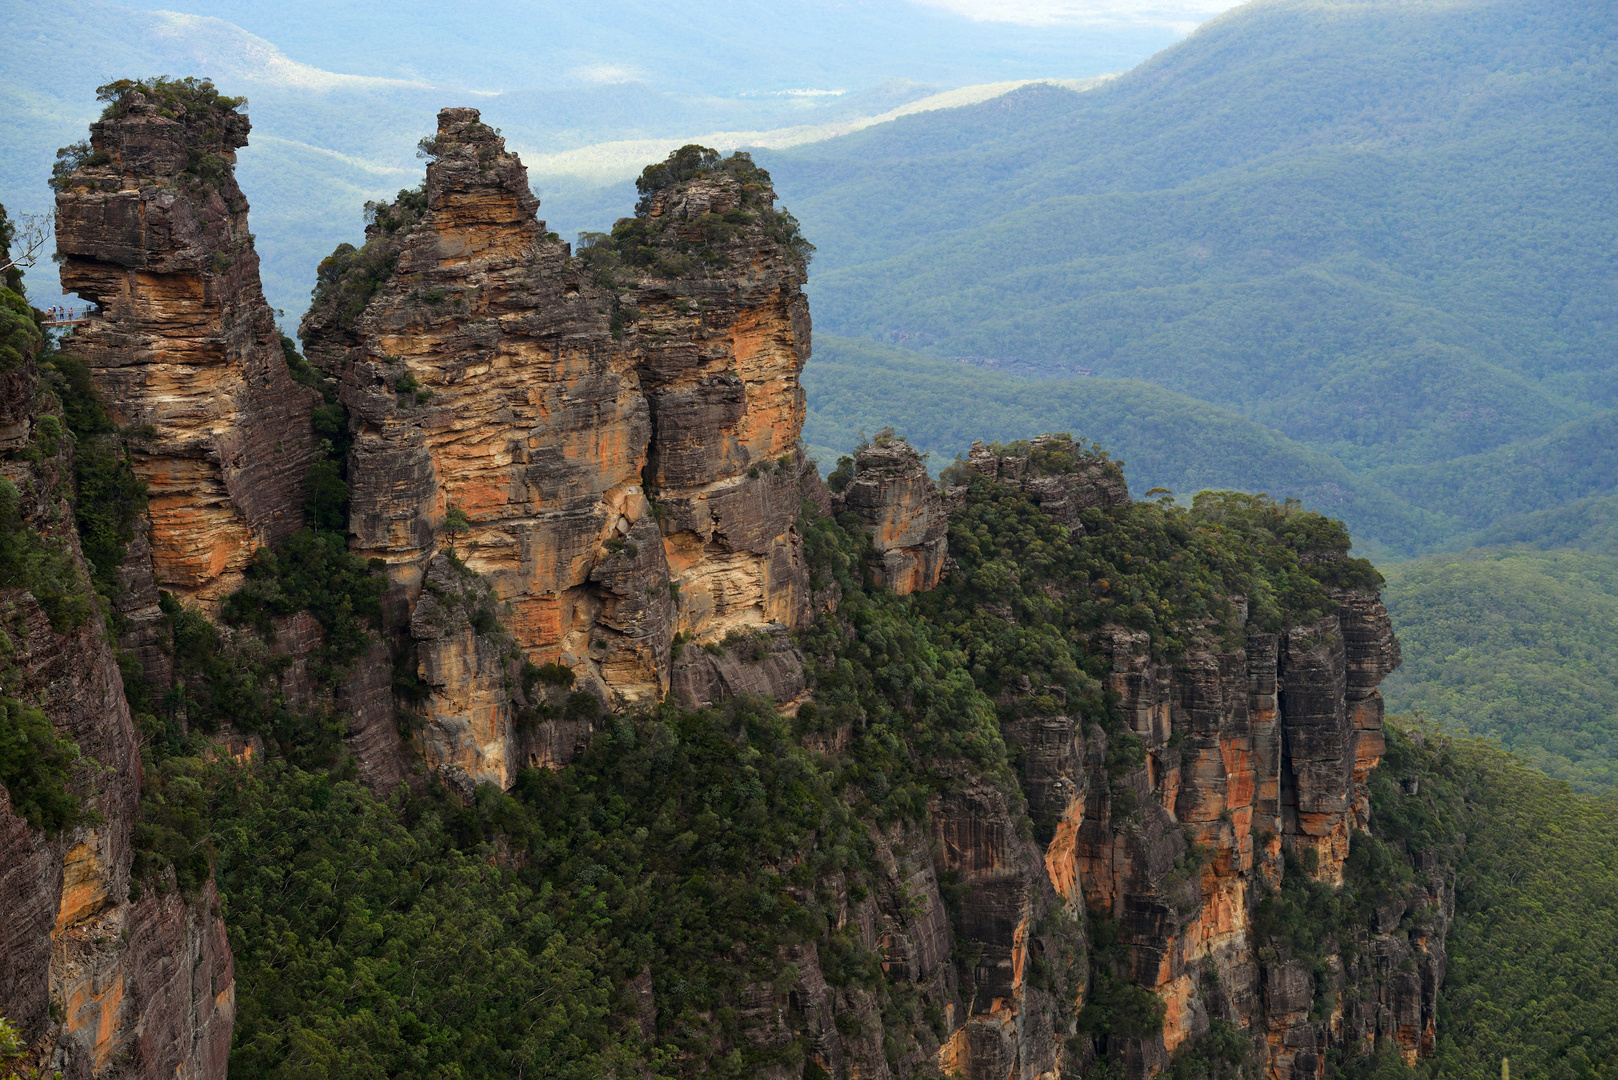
x: 766, y: 663
x: 152, y: 228
x: 1255, y: 760
x: 609, y: 440
x: 99, y: 983
x: 1249, y: 752
x: 1058, y: 473
x: 902, y: 511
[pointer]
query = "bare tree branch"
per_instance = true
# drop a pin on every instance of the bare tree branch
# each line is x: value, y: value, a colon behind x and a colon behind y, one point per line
x: 34, y: 233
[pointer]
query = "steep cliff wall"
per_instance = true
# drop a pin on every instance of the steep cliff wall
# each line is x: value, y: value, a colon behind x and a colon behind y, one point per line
x: 1224, y: 798
x: 609, y: 441
x: 152, y: 228
x: 1249, y: 753
x: 100, y: 984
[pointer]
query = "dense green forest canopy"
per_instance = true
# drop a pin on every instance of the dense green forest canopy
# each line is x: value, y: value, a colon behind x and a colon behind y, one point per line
x: 1585, y: 525
x: 1517, y: 644
x: 1531, y: 974
x: 1382, y: 229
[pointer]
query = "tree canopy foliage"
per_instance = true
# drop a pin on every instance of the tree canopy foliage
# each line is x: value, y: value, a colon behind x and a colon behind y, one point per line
x: 1531, y: 974
x: 1519, y: 645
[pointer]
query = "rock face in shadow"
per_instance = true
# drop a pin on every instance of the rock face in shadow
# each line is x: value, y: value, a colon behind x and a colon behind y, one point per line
x: 1013, y: 1023
x: 610, y: 442
x: 153, y: 229
x: 99, y: 984
x: 766, y: 663
x: 902, y: 511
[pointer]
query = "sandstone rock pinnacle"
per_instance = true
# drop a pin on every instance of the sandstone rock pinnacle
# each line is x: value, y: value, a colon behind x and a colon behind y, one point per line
x: 153, y: 228
x: 618, y: 428
x: 902, y: 511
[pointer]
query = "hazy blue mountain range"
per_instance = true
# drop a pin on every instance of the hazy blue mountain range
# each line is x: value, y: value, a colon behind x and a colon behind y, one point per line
x: 1384, y: 230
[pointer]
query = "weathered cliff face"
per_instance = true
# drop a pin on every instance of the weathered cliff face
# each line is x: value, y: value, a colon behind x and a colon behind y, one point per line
x: 611, y: 446
x: 153, y: 229
x: 902, y: 511
x: 1248, y: 752
x: 1254, y: 760
x: 1016, y: 1021
x: 100, y: 985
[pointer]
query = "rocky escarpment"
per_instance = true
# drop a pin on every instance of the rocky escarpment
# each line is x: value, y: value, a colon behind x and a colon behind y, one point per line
x: 1249, y: 753
x: 1060, y: 475
x: 1232, y: 785
x: 152, y: 228
x: 900, y: 508
x: 102, y: 979
x: 1087, y: 782
x: 608, y: 439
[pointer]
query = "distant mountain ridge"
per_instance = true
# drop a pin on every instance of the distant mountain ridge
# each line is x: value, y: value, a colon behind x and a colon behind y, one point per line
x: 1384, y: 230
x: 1164, y: 438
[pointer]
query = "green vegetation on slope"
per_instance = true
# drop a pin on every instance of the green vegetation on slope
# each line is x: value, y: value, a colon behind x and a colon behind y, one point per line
x: 692, y: 846
x: 1586, y: 524
x: 1380, y: 228
x: 1519, y: 645
x: 1167, y: 439
x: 107, y: 496
x: 1576, y: 461
x: 1531, y: 972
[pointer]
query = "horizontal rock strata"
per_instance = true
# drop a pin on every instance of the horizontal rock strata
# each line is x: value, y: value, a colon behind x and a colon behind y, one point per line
x: 98, y: 983
x: 153, y: 230
x: 902, y: 511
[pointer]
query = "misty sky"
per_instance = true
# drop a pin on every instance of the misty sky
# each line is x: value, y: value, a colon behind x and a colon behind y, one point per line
x: 1044, y: 12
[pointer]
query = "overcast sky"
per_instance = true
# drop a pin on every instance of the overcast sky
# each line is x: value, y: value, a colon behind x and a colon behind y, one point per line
x: 1037, y: 12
